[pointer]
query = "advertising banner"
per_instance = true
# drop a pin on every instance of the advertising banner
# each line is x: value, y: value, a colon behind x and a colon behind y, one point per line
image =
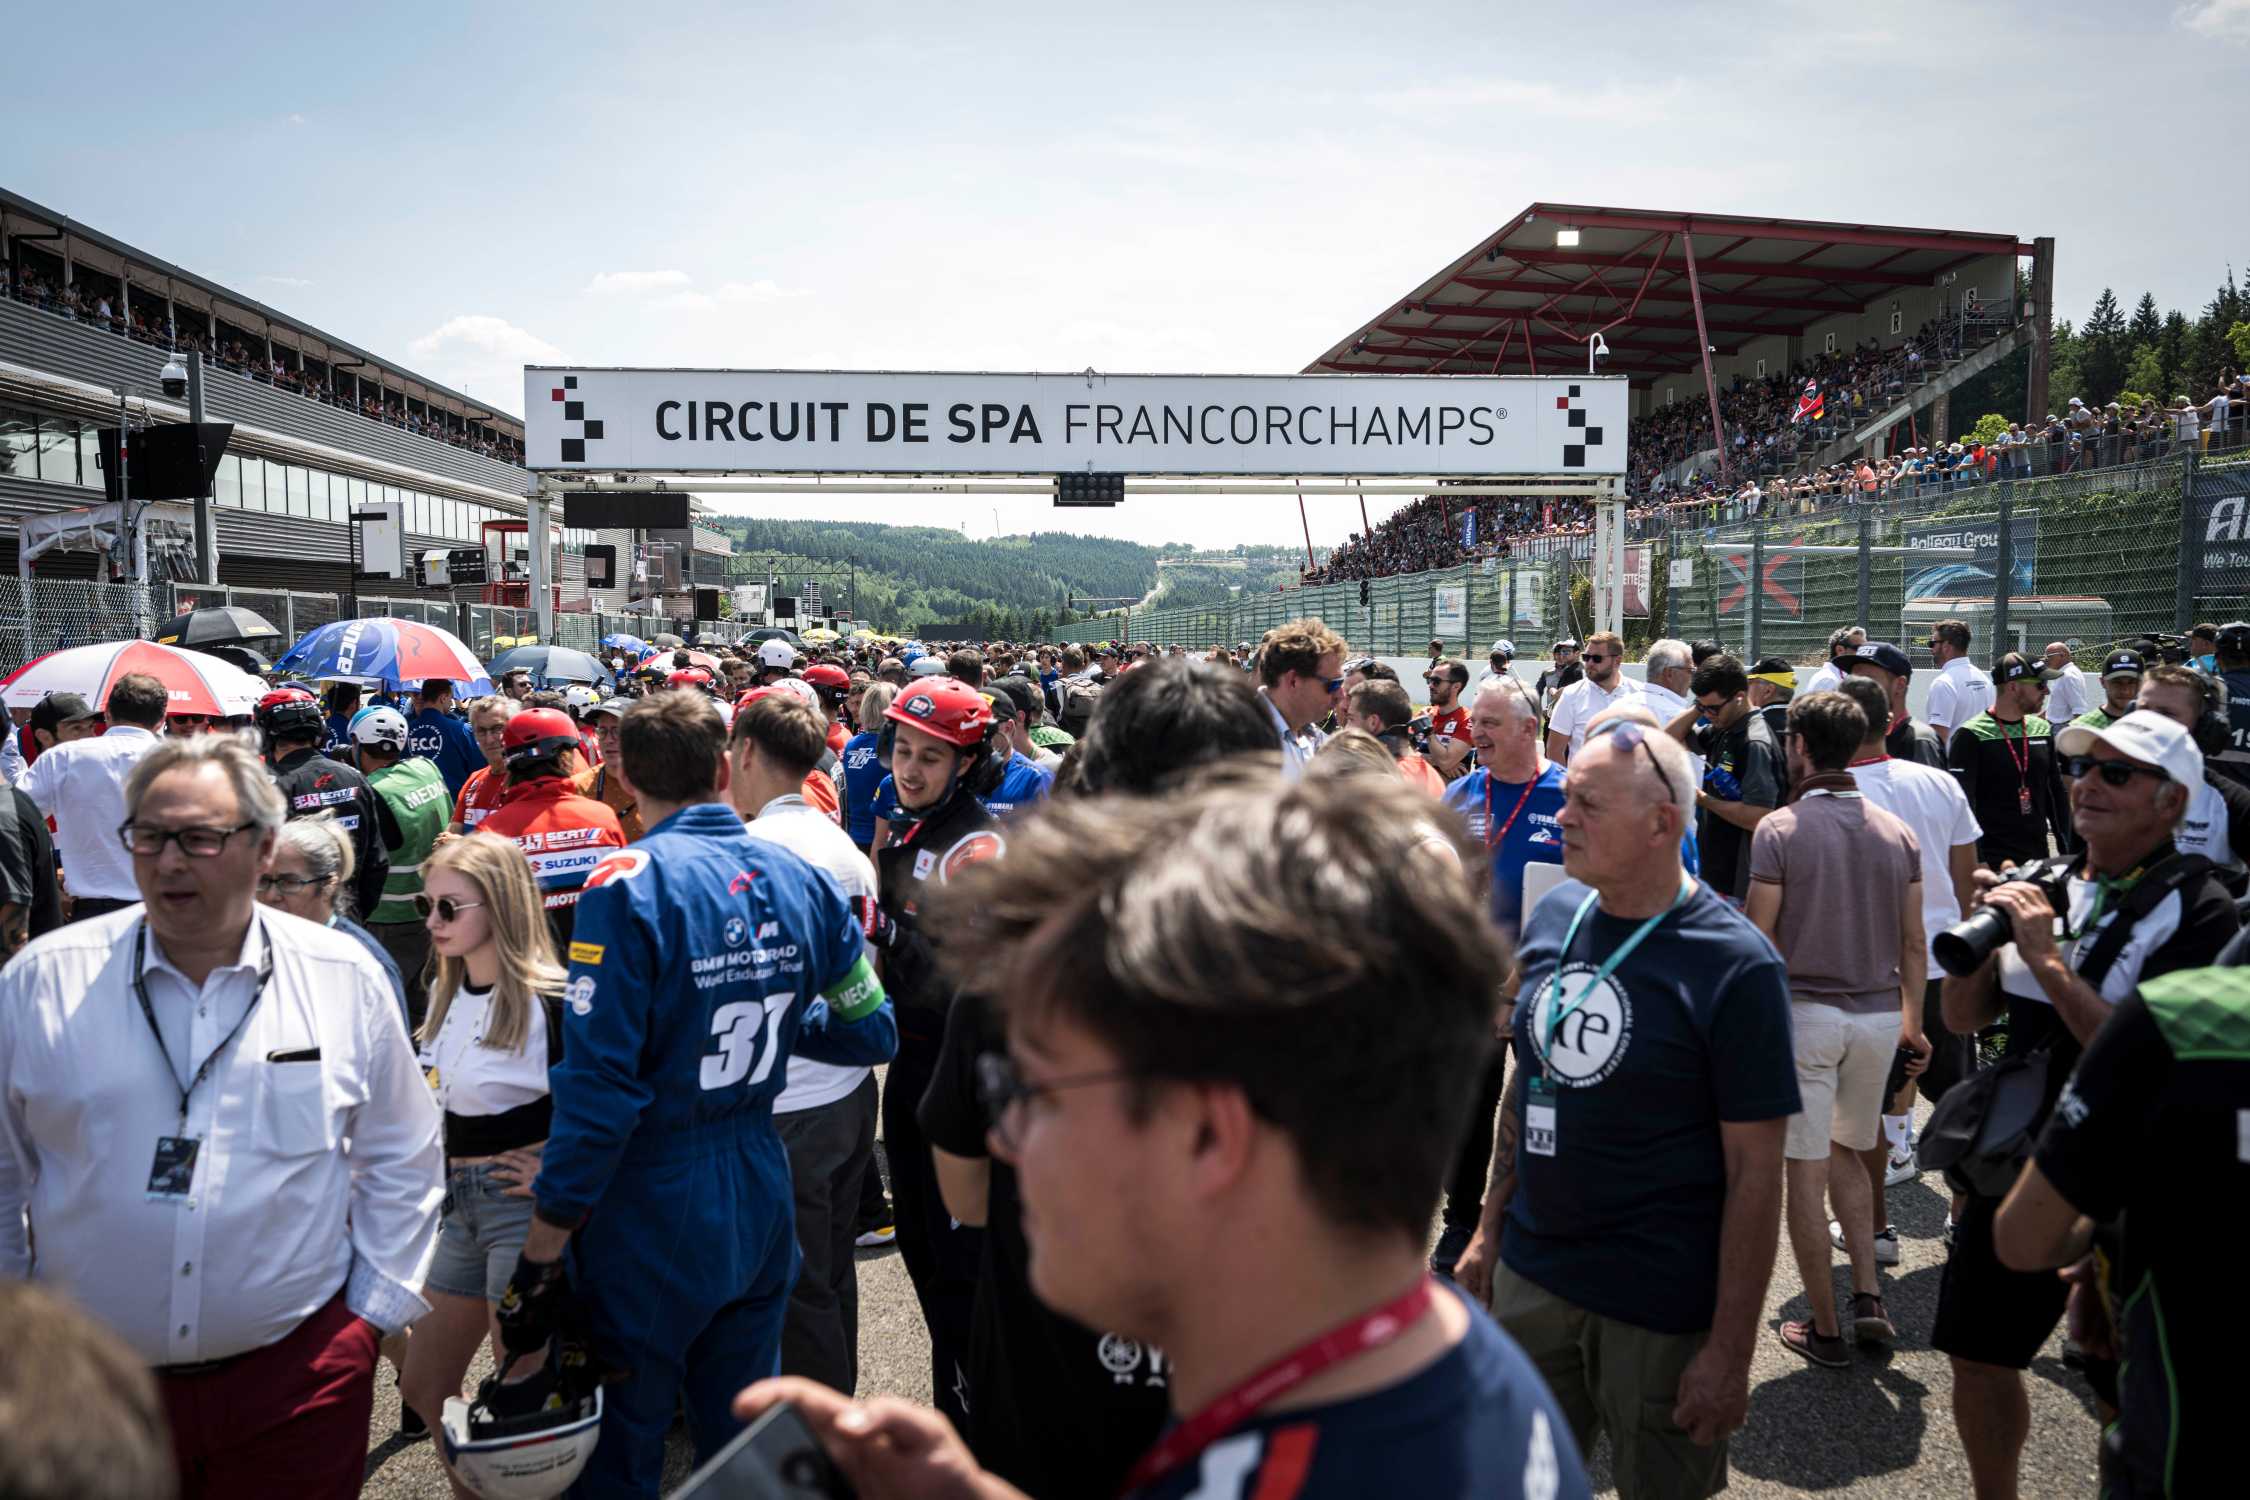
x: 896, y: 422
x: 1449, y: 611
x: 1971, y: 579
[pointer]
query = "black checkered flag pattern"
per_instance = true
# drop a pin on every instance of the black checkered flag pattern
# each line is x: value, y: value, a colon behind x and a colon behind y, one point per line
x: 1578, y: 438
x: 590, y: 428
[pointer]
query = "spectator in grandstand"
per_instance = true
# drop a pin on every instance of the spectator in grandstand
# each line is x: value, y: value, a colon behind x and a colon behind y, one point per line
x: 2056, y: 984
x: 1835, y: 882
x: 1177, y: 1258
x: 1603, y: 684
x: 79, y: 780
x: 1300, y: 672
x: 1961, y: 691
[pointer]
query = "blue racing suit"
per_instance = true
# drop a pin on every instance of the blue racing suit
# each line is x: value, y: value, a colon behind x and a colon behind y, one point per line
x: 701, y: 960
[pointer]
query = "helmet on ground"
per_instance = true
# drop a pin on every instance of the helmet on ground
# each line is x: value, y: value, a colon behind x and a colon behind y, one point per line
x: 380, y: 726
x: 538, y: 733
x: 581, y: 699
x: 947, y: 708
x: 926, y: 666
x: 290, y: 714
x: 526, y: 1441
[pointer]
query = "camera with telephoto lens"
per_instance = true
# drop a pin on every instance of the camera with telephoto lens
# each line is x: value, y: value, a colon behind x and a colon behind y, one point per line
x: 1961, y: 948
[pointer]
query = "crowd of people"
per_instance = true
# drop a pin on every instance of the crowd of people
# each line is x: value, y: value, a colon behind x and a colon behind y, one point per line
x: 1208, y: 988
x: 97, y: 308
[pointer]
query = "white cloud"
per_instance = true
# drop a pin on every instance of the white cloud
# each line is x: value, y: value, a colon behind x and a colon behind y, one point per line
x: 2228, y: 20
x: 636, y: 283
x: 483, y: 355
x: 296, y: 119
x: 288, y: 281
x: 761, y: 290
x: 684, y: 301
x: 1611, y: 104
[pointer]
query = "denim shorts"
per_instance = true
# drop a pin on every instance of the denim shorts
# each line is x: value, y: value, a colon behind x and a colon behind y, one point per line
x: 480, y: 1235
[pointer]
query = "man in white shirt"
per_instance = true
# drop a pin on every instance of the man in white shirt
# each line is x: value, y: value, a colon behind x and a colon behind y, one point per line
x: 2066, y: 685
x: 1300, y: 676
x: 825, y: 1113
x: 212, y: 1119
x: 81, y: 785
x: 1605, y: 683
x: 1931, y: 803
x: 1670, y: 667
x: 1843, y: 645
x: 1961, y: 692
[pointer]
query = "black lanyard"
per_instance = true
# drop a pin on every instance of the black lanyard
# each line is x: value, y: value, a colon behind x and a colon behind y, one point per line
x: 148, y: 1011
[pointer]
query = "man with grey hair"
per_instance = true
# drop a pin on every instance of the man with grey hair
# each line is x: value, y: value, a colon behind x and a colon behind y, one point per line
x: 1843, y: 645
x: 258, y: 1208
x: 1670, y: 668
x: 1635, y: 1203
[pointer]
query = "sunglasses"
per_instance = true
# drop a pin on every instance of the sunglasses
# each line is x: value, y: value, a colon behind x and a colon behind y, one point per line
x: 1627, y: 733
x: 446, y: 908
x: 2112, y: 772
x: 1594, y: 656
x: 1333, y: 684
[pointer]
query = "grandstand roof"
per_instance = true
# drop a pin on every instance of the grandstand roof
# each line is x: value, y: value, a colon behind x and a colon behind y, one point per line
x: 1519, y: 301
x: 113, y: 257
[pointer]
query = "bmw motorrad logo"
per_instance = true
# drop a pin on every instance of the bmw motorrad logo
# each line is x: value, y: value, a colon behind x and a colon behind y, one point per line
x: 737, y: 930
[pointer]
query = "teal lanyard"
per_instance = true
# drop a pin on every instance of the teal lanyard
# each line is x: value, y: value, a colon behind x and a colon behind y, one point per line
x: 1557, y: 1012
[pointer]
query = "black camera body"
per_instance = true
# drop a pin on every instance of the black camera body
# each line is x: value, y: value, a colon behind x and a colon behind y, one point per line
x: 1961, y: 948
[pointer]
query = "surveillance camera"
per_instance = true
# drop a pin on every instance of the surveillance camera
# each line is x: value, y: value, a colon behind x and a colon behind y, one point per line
x: 1601, y: 349
x: 174, y: 378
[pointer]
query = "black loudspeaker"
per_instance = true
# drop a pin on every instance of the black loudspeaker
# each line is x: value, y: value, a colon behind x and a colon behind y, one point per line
x: 707, y: 604
x: 601, y: 567
x: 785, y: 608
x: 163, y: 462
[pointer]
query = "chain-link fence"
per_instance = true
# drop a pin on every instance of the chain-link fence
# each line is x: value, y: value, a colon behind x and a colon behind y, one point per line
x: 2088, y: 559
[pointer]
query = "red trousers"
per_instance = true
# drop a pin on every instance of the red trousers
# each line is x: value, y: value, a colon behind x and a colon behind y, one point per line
x: 288, y: 1419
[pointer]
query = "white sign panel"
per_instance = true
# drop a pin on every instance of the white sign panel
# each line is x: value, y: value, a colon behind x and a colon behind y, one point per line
x: 888, y: 422
x: 1449, y: 611
x: 382, y: 539
x: 750, y: 599
x: 1682, y: 573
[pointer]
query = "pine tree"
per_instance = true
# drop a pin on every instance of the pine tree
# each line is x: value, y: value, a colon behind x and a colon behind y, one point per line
x: 2103, y: 353
x: 2147, y: 321
x: 2172, y: 354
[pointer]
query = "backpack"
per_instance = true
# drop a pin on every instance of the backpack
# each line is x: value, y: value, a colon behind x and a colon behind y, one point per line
x: 1079, y: 700
x: 1983, y: 1130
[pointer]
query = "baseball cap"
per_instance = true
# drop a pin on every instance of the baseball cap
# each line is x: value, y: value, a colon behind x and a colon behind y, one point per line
x: 1887, y: 656
x: 58, y: 709
x: 2015, y: 667
x: 1504, y: 648
x: 2123, y: 664
x: 1017, y: 690
x: 1776, y: 670
x: 1003, y: 704
x: 1048, y: 737
x: 615, y: 706
x: 2145, y: 736
x: 1566, y: 644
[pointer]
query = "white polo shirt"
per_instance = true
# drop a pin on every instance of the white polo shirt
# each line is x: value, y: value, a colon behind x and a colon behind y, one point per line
x: 1960, y: 693
x: 1582, y: 700
x: 81, y: 785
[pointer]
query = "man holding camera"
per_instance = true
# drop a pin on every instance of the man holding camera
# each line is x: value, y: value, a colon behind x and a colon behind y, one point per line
x: 2132, y: 909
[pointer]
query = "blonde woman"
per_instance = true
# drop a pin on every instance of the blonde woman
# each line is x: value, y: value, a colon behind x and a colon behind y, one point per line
x: 490, y: 1035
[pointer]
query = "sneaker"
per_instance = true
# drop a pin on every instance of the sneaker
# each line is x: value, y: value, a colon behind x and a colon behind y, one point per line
x: 1886, y: 1242
x: 881, y: 1234
x: 1900, y: 1170
x: 1451, y: 1241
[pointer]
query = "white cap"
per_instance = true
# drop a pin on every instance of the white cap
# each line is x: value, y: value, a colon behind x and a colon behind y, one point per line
x: 2147, y: 737
x: 777, y: 653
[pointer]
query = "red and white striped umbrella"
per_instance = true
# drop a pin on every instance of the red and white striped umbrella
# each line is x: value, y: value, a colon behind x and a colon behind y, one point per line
x: 199, y: 683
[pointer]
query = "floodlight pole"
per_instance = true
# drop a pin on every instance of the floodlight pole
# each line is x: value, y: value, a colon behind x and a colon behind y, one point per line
x: 1703, y: 344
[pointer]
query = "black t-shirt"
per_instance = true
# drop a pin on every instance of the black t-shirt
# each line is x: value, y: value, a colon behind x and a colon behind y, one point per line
x: 2010, y: 773
x: 1060, y: 1409
x: 1743, y: 765
x: 2151, y: 1130
x: 1477, y: 1423
x: 1917, y: 742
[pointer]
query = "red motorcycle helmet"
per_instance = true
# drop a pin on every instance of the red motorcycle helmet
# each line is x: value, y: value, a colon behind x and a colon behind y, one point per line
x: 690, y: 677
x: 538, y: 733
x: 946, y: 707
x: 832, y: 680
x: 290, y: 713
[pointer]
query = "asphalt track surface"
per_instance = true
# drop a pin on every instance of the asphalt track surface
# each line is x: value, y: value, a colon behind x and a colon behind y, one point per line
x: 1882, y: 1428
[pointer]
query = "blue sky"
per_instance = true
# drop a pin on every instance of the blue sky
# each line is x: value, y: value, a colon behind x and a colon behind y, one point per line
x: 991, y: 186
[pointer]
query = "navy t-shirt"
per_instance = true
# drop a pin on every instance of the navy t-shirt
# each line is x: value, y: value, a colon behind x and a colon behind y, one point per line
x: 1692, y: 1029
x: 1024, y: 781
x: 863, y: 772
x: 1477, y: 1422
x: 1531, y: 839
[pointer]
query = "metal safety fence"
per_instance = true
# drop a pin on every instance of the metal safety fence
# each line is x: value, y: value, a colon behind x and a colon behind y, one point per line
x: 2089, y: 559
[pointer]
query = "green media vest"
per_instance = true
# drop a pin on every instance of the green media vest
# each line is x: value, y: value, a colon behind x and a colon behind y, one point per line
x: 414, y: 790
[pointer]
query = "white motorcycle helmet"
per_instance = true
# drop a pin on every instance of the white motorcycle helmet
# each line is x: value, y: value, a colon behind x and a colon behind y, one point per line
x: 802, y: 690
x: 580, y: 699
x: 536, y: 1453
x: 380, y: 726
x: 926, y: 666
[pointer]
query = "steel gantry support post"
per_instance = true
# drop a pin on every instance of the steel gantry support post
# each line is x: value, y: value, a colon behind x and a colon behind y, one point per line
x: 1703, y: 348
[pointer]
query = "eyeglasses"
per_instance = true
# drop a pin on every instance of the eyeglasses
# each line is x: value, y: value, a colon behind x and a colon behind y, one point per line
x: 1627, y: 733
x: 1000, y: 1088
x: 2112, y: 772
x: 292, y: 884
x: 447, y: 909
x: 147, y: 840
